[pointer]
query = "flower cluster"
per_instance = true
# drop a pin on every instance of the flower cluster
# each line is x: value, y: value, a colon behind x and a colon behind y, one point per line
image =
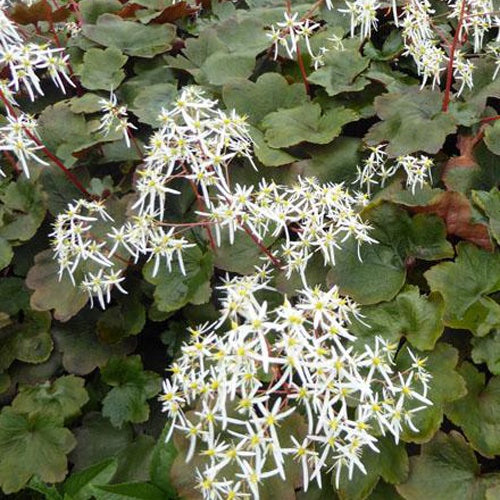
x: 76, y: 245
x: 493, y: 52
x: 18, y: 137
x: 312, y: 217
x: 478, y: 18
x: 115, y: 116
x: 334, y: 43
x: 462, y: 72
x: 196, y: 144
x: 420, y: 40
x: 290, y: 32
x: 24, y: 59
x: 363, y: 14
x: 375, y: 170
x: 236, y: 393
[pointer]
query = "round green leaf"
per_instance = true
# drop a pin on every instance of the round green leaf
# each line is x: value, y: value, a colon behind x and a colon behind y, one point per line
x: 132, y: 38
x: 62, y: 398
x: 474, y: 274
x: 446, y: 468
x: 478, y: 412
x: 132, y: 387
x: 411, y: 121
x: 32, y: 445
x: 50, y: 292
x: 102, y: 69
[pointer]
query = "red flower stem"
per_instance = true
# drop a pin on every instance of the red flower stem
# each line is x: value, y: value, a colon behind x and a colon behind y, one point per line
x: 453, y: 48
x: 273, y: 259
x: 72, y: 178
x: 12, y: 161
x: 490, y: 119
x: 199, y: 202
x: 134, y: 142
x: 76, y: 9
x: 302, y: 69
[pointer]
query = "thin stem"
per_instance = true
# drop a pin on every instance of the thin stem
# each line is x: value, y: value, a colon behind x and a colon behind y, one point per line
x: 490, y: 119
x: 134, y: 142
x: 72, y: 178
x: 200, y: 203
x: 12, y: 161
x: 273, y: 259
x: 453, y: 48
x: 302, y: 69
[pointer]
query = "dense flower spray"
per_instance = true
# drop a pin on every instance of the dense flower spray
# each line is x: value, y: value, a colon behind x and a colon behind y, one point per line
x: 263, y: 364
x: 262, y: 369
x: 196, y: 144
x: 270, y: 362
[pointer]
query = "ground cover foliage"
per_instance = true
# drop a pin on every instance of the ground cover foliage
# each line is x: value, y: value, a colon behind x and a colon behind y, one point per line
x: 81, y: 387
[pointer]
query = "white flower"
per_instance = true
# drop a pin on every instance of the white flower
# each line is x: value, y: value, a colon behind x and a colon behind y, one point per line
x: 115, y: 116
x: 239, y: 423
x: 17, y: 137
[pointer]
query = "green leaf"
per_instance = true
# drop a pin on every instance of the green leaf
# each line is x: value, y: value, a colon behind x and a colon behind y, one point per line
x: 411, y: 121
x: 174, y: 289
x: 13, y: 295
x: 487, y: 350
x: 23, y: 211
x: 391, y: 48
x: 287, y: 127
x: 490, y: 205
x: 478, y: 412
x: 32, y: 445
x: 87, y: 103
x: 269, y: 93
x: 480, y: 318
x: 28, y: 340
x: 59, y: 191
x: 384, y: 491
x: 49, y: 492
x: 134, y: 461
x: 126, y: 318
x: 391, y: 464
x: 243, y: 33
x: 242, y: 255
x: 132, y: 387
x: 493, y: 493
x: 132, y: 38
x: 417, y: 317
x: 82, y: 351
x: 334, y: 162
x: 131, y: 491
x: 221, y: 68
x: 64, y: 132
x: 82, y: 485
x: 50, y: 292
x: 97, y: 440
x: 445, y: 468
x: 92, y: 9
x: 342, y: 69
x: 485, y: 86
x: 6, y: 253
x: 149, y: 101
x: 102, y: 69
x: 474, y: 274
x: 270, y: 157
x: 446, y: 385
x: 384, y: 263
x: 164, y: 454
x: 62, y: 398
